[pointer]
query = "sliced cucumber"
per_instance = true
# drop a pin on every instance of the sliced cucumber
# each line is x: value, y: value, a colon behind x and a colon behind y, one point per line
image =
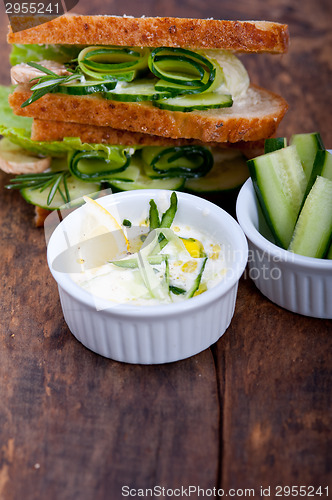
x: 329, y: 253
x: 144, y: 182
x: 77, y: 189
x: 307, y: 146
x: 174, y: 89
x: 322, y: 166
x: 313, y: 230
x: 208, y: 100
x: 274, y: 143
x: 327, y: 165
x: 280, y: 183
x: 137, y: 91
x: 87, y: 87
x: 229, y: 172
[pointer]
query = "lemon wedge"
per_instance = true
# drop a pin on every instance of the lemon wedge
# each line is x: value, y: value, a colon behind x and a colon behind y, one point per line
x: 102, y: 237
x: 101, y: 219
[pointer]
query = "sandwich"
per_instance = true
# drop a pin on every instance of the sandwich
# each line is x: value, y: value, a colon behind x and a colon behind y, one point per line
x: 132, y: 103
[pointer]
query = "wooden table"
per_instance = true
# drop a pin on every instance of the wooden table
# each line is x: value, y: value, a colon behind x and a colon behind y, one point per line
x: 252, y: 411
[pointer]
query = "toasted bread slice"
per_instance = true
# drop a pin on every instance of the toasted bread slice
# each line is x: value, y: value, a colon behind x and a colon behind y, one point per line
x: 250, y: 119
x: 240, y: 36
x: 48, y: 130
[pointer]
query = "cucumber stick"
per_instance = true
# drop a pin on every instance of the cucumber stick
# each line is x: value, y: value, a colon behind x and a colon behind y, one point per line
x: 313, y: 230
x: 280, y: 183
x: 322, y: 166
x: 326, y: 165
x: 274, y: 143
x: 329, y: 253
x: 307, y: 146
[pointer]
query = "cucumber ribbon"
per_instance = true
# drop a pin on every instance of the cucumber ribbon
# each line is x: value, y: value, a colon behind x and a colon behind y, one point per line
x: 169, y: 73
x: 98, y: 165
x: 178, y: 161
x: 181, y: 71
x: 158, y: 162
x: 121, y: 63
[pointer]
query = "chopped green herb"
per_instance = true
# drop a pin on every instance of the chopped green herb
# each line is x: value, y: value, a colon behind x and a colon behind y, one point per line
x: 126, y: 223
x: 176, y: 290
x: 42, y: 181
x: 48, y: 83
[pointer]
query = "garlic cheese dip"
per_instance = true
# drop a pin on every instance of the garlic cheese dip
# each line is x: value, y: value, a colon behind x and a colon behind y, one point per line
x: 156, y: 262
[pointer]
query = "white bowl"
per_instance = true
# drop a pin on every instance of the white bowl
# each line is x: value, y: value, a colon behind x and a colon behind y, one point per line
x: 300, y: 284
x: 159, y: 333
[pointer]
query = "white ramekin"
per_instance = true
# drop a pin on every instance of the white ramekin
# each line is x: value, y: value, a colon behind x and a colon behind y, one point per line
x: 161, y: 333
x: 297, y: 283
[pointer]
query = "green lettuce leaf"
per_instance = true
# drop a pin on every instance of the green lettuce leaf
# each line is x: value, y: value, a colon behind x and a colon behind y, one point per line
x: 18, y: 130
x: 34, y: 52
x: 7, y: 117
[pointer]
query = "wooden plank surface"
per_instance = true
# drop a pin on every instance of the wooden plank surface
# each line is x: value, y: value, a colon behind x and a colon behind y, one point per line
x: 252, y: 411
x: 276, y: 392
x: 75, y: 424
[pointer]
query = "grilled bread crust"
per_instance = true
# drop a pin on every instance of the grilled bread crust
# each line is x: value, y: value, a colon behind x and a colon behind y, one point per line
x: 239, y: 36
x: 251, y: 119
x: 48, y: 131
x: 40, y: 216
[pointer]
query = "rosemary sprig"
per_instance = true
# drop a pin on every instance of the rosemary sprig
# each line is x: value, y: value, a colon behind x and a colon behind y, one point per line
x: 41, y: 68
x: 48, y: 83
x: 42, y: 181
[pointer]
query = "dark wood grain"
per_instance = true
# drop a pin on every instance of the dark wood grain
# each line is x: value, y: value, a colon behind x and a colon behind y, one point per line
x: 252, y: 411
x: 275, y: 368
x: 79, y: 425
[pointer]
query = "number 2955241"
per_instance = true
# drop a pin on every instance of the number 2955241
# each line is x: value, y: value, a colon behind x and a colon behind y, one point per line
x: 33, y: 8
x: 307, y: 491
